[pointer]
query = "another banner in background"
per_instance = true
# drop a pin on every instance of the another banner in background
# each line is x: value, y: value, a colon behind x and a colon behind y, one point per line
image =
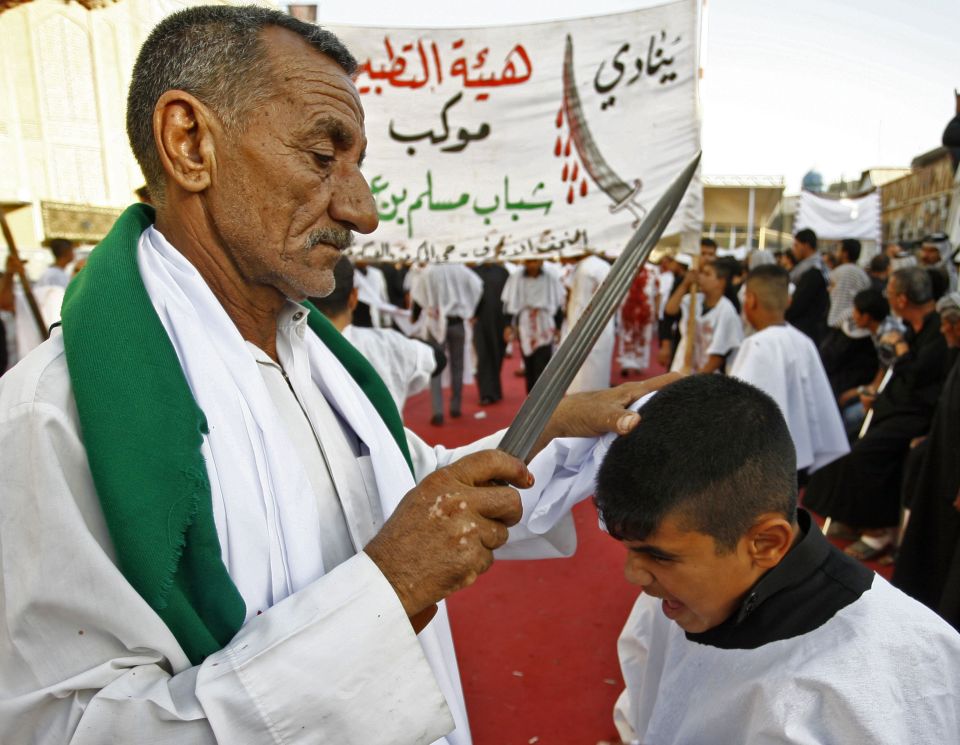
x: 529, y: 140
x: 836, y: 218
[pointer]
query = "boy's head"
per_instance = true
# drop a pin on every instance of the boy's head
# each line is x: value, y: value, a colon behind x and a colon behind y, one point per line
x: 767, y: 295
x: 869, y: 307
x: 703, y: 493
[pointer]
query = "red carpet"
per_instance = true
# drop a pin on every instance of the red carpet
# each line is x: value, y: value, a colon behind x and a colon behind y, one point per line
x: 536, y: 640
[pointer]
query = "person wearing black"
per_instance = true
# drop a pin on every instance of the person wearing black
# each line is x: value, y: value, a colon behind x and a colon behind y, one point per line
x: 810, y: 301
x: 928, y: 563
x: 862, y: 489
x: 488, y: 331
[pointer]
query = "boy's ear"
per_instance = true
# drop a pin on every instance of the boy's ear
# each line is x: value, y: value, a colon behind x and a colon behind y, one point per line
x: 769, y: 540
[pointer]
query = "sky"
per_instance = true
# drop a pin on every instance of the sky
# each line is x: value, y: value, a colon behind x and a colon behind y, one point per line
x: 838, y: 86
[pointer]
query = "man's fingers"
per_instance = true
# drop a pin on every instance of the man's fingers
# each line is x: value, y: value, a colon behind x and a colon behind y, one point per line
x: 499, y: 503
x: 493, y: 534
x: 491, y: 466
x: 633, y: 391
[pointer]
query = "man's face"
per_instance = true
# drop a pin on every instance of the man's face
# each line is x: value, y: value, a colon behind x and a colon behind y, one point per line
x: 895, y: 298
x: 532, y: 267
x: 700, y: 588
x: 707, y: 253
x: 709, y: 281
x: 287, y: 190
x: 929, y: 255
x: 860, y: 320
x: 801, y: 250
x: 950, y: 328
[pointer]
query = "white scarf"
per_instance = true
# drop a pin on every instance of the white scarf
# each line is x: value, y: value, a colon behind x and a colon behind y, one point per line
x: 265, y: 510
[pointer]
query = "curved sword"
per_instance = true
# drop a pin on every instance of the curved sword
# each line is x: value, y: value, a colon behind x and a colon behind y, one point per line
x: 623, y: 194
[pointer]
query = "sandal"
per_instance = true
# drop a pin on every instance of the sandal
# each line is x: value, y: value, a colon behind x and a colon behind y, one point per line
x: 865, y: 552
x: 842, y: 532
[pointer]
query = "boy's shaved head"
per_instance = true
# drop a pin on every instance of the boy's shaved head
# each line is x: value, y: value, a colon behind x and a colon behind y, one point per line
x: 711, y: 451
x: 771, y: 284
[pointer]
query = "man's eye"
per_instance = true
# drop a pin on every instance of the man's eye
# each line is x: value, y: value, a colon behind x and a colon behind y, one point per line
x: 322, y: 159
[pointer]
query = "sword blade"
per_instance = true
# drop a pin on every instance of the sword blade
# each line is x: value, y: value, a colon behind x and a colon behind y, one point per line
x: 539, y: 406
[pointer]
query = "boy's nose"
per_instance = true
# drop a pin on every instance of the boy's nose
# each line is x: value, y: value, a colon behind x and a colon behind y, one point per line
x: 637, y: 575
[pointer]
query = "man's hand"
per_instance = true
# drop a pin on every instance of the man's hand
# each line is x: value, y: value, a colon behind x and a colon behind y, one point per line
x: 442, y: 535
x: 598, y: 412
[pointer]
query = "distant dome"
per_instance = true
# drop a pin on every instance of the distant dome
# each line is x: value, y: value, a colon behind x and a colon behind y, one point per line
x: 812, y: 181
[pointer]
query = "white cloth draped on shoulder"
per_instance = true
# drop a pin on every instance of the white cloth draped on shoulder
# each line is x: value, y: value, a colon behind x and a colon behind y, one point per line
x: 784, y: 363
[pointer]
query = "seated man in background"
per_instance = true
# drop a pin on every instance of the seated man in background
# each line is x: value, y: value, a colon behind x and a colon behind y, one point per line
x: 751, y: 626
x: 862, y: 489
x: 784, y: 363
x: 928, y: 563
x: 406, y: 365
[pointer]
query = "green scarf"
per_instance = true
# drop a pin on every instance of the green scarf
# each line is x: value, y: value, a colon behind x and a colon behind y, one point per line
x: 142, y: 431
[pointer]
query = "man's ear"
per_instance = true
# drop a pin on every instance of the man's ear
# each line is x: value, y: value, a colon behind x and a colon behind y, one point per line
x: 352, y: 299
x: 769, y: 540
x: 183, y: 129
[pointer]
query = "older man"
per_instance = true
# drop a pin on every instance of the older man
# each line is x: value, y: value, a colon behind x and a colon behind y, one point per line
x: 928, y: 565
x: 210, y: 526
x: 862, y: 488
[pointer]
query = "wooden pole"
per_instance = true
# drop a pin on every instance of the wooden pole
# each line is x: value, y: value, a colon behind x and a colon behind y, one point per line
x: 691, y: 323
x: 27, y: 291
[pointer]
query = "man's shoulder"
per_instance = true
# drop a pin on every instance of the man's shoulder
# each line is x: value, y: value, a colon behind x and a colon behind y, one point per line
x: 41, y: 379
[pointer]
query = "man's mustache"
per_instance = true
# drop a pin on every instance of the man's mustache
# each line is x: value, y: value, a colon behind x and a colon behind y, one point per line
x: 340, y: 238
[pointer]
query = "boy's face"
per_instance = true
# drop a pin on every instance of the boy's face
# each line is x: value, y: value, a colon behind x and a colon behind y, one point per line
x: 700, y: 588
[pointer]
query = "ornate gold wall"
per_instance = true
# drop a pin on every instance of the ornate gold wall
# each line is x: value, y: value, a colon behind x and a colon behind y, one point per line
x: 64, y: 72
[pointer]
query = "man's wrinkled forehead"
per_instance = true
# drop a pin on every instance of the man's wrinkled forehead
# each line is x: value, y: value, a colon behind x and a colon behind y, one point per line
x: 292, y: 59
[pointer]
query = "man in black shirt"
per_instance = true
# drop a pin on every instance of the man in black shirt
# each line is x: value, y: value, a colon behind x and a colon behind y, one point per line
x: 862, y: 489
x: 810, y: 301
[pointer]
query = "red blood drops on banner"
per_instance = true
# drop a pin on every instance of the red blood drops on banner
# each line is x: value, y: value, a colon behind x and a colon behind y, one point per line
x: 558, y: 148
x: 560, y: 118
x: 570, y: 195
x: 566, y: 150
x: 583, y: 188
x: 576, y: 171
x: 566, y: 171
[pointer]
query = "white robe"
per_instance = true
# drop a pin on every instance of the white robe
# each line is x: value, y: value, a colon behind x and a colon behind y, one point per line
x: 404, y: 364
x: 586, y: 279
x: 444, y: 290
x: 87, y: 661
x: 784, y: 363
x: 533, y: 301
x: 884, y: 670
x: 718, y: 331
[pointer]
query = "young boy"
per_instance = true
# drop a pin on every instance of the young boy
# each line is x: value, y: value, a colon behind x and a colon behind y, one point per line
x: 751, y: 627
x: 783, y: 363
x: 718, y: 328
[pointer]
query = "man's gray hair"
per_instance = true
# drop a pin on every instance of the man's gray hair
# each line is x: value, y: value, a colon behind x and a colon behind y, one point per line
x: 914, y: 282
x: 216, y: 53
x: 949, y: 306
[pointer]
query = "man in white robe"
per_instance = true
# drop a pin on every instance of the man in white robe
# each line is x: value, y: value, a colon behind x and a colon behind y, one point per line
x: 588, y: 274
x: 405, y: 365
x: 783, y: 362
x: 751, y: 627
x: 533, y: 299
x: 448, y: 295
x: 211, y: 528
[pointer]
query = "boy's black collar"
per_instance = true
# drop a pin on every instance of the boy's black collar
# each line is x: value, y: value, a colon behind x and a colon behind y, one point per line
x: 805, y: 590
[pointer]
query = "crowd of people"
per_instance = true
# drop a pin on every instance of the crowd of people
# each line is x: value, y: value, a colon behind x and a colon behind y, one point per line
x: 215, y: 527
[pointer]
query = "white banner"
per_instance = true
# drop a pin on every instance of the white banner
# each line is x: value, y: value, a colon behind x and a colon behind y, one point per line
x: 527, y: 140
x: 836, y: 219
